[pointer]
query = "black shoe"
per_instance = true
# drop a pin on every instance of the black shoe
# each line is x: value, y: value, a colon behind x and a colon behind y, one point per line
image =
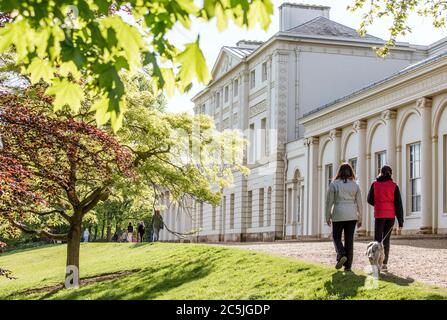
x: 341, y: 262
x: 348, y: 270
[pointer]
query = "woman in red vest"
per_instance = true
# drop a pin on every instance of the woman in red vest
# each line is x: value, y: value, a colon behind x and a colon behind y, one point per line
x: 385, y: 196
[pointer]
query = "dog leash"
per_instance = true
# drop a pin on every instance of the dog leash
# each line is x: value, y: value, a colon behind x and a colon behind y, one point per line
x: 387, y: 234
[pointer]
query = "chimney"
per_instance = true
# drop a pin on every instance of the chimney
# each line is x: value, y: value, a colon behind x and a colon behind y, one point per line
x: 248, y: 44
x: 294, y: 14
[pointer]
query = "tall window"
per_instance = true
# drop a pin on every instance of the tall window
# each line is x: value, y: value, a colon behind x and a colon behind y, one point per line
x: 213, y: 218
x: 445, y: 173
x: 415, y: 176
x: 261, y: 207
x: 329, y: 174
x: 269, y: 206
x: 263, y: 137
x: 236, y: 87
x: 249, y: 208
x: 380, y: 160
x: 201, y: 215
x: 222, y: 217
x: 232, y: 211
x: 218, y: 100
x: 353, y: 163
x: 252, y: 79
x: 251, y: 155
x: 264, y: 71
x: 224, y: 208
x: 226, y: 93
x: 289, y: 205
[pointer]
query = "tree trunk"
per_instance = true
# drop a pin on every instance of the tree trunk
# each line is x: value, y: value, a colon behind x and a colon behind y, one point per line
x: 73, y: 249
x: 96, y: 233
x: 102, y: 231
x: 109, y: 233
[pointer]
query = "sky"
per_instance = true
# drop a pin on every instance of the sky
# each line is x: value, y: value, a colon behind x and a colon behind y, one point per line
x: 211, y: 40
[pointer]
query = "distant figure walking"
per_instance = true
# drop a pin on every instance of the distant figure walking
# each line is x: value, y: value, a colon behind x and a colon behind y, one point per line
x: 385, y: 196
x: 344, y: 212
x: 86, y: 235
x: 141, y: 231
x: 130, y: 232
x: 157, y: 224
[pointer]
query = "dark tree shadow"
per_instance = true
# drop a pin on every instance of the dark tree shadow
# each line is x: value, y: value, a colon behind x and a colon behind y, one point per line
x: 345, y: 284
x: 144, y: 285
x: 390, y: 277
x: 36, y: 248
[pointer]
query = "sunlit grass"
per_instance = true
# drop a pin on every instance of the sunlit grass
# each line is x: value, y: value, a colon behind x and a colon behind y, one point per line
x: 189, y: 271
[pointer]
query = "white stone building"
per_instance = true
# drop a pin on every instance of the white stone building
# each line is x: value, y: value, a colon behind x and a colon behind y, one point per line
x: 310, y: 97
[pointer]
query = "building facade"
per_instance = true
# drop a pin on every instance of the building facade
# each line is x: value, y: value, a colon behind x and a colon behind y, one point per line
x: 310, y: 97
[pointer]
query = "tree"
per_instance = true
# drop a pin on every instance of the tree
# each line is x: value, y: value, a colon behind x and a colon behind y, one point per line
x: 4, y: 272
x: 181, y: 153
x: 68, y: 163
x: 95, y: 40
x: 399, y: 11
x: 14, y: 191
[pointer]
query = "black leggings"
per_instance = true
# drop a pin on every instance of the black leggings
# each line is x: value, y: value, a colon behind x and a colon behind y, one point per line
x: 382, y: 227
x: 348, y: 248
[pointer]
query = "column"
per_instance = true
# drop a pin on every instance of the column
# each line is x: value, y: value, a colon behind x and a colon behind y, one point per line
x: 321, y: 206
x: 243, y: 99
x: 435, y: 181
x: 398, y: 170
x: 360, y: 128
x: 425, y: 105
x: 390, y: 118
x: 312, y: 179
x: 335, y: 136
x: 269, y: 103
x: 368, y: 211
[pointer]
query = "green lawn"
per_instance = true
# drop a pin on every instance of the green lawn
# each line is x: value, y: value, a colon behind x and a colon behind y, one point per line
x: 189, y: 271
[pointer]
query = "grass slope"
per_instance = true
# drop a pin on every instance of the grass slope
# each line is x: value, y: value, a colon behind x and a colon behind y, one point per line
x: 188, y: 271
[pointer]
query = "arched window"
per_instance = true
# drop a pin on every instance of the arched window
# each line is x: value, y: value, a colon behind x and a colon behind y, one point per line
x: 297, y: 196
x: 269, y: 206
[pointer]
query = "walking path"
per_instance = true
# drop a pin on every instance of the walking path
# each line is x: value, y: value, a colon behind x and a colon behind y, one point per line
x: 411, y: 260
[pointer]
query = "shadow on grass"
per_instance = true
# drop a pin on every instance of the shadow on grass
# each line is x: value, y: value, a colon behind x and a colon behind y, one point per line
x: 389, y: 277
x: 149, y: 283
x: 345, y: 285
x: 20, y: 250
x: 141, y: 244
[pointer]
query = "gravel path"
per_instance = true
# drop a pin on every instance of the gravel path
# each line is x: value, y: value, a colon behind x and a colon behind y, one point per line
x: 410, y: 260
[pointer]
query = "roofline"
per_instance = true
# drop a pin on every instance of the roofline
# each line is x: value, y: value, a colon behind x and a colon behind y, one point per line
x: 302, y: 5
x: 291, y: 36
x: 366, y: 92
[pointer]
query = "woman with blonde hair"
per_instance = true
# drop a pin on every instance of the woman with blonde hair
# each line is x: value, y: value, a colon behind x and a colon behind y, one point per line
x: 343, y: 213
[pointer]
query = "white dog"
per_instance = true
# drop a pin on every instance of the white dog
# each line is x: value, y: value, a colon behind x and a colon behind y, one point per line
x: 376, y: 254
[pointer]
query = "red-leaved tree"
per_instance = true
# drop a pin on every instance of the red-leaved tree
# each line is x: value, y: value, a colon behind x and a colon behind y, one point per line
x: 56, y: 169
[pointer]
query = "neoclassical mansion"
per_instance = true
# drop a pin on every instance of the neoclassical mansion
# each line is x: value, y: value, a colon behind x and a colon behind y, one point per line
x: 312, y: 96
